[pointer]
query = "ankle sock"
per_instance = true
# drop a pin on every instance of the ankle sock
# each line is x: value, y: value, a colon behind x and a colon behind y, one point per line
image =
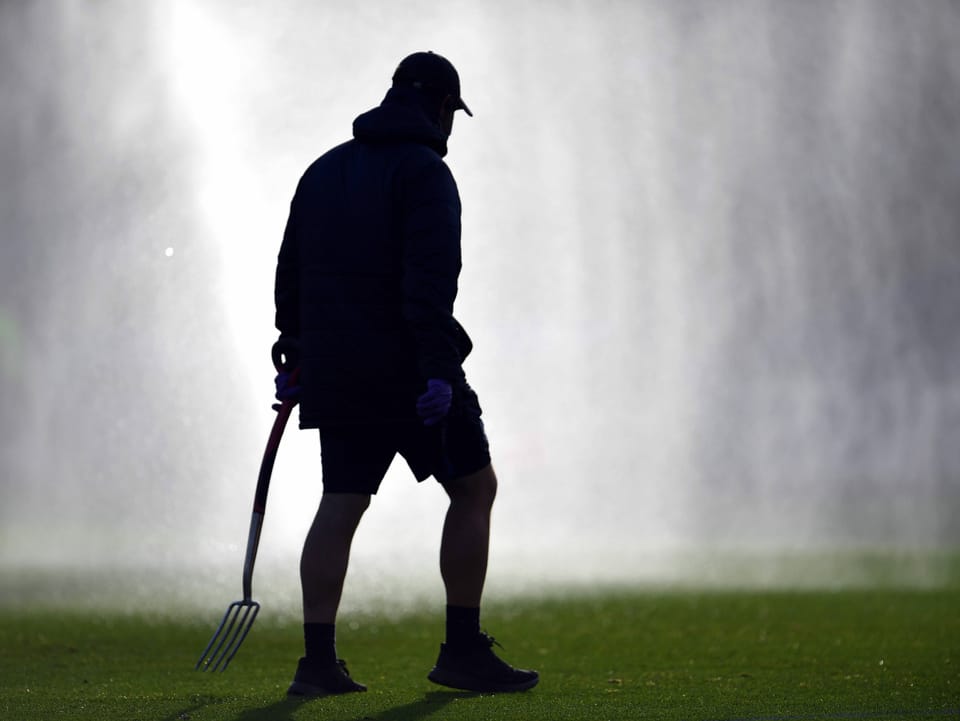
x: 463, y: 625
x: 319, y: 640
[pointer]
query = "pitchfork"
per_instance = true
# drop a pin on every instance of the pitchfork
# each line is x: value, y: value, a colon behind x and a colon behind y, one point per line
x: 240, y: 615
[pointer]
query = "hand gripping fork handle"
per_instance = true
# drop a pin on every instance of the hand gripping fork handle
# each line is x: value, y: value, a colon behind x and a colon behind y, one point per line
x: 240, y: 615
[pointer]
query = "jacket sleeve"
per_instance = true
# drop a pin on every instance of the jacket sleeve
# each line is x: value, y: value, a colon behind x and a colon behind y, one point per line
x: 431, y: 267
x: 286, y: 291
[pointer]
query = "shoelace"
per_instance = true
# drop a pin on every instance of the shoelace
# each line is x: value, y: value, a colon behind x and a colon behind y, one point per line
x: 490, y: 640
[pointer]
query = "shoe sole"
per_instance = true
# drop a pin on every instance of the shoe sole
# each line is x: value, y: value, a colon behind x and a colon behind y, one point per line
x: 466, y: 682
x: 298, y: 688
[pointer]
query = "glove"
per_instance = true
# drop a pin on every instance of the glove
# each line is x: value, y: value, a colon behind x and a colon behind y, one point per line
x: 433, y: 405
x: 286, y: 389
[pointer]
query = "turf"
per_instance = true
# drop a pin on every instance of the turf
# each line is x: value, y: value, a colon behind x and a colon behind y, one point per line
x: 623, y: 655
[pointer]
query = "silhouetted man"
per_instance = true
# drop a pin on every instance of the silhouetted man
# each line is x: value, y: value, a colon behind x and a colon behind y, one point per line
x: 365, y: 286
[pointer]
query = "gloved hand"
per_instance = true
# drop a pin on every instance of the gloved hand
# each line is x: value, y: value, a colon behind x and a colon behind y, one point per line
x: 287, y: 388
x: 434, y: 405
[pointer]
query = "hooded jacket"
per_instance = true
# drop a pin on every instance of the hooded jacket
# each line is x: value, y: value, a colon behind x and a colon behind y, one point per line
x: 367, y: 272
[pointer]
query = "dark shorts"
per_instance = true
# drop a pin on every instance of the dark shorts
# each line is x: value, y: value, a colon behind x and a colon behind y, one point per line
x: 355, y: 458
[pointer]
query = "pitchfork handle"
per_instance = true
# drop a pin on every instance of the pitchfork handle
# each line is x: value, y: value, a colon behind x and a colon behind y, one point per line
x: 285, y: 359
x: 282, y: 358
x: 270, y: 454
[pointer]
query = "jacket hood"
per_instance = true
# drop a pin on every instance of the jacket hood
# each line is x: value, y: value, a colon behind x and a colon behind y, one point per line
x: 400, y: 118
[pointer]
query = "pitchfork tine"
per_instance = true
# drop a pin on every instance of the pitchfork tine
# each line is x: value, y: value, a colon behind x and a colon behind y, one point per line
x: 205, y: 657
x: 219, y: 635
x: 228, y: 639
x: 232, y: 614
x: 243, y: 628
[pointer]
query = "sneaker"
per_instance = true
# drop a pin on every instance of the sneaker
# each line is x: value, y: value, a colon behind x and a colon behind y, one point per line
x: 314, y: 679
x: 477, y: 668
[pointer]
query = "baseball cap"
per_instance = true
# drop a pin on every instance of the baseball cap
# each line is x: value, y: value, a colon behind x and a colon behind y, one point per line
x: 431, y: 71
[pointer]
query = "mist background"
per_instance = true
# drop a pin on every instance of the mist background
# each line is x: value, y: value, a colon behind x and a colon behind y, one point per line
x: 711, y: 269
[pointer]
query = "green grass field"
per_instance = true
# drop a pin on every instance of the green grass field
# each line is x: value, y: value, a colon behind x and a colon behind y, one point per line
x: 883, y: 654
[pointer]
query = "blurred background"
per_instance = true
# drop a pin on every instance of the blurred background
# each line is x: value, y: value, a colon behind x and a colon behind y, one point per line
x: 711, y: 269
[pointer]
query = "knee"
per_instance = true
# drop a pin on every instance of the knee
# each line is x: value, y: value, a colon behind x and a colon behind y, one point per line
x: 344, y: 508
x: 476, y: 489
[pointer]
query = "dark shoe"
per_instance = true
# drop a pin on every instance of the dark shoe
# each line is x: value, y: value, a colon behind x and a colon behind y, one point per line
x: 320, y: 680
x: 477, y: 668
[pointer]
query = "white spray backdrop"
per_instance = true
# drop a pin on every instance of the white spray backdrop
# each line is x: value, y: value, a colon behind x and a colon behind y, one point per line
x: 711, y: 269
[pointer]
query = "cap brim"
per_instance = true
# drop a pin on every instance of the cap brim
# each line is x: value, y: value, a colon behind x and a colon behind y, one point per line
x: 463, y: 106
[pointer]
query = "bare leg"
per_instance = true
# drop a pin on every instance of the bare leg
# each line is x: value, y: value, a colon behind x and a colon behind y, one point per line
x: 466, y: 537
x: 326, y: 552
